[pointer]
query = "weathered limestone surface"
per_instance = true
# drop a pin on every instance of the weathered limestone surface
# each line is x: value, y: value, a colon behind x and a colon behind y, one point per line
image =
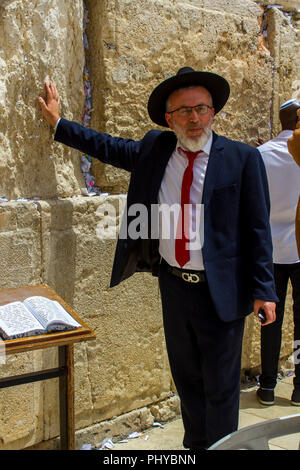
x: 38, y: 41
x: 122, y: 378
x: 20, y: 253
x: 20, y: 244
x: 284, y: 43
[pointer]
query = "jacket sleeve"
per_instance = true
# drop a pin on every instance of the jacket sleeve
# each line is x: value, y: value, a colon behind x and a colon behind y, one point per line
x: 122, y: 153
x: 256, y: 227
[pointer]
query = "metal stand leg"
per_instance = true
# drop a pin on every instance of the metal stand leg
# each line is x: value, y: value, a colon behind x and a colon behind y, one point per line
x: 65, y: 372
x: 66, y: 397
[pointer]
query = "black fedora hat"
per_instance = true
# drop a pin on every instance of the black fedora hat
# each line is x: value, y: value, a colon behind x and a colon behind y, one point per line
x: 186, y: 76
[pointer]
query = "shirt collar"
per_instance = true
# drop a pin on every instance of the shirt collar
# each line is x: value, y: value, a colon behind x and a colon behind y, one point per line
x: 286, y: 133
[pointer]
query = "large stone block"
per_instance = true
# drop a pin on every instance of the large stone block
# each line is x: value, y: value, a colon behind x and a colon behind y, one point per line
x: 281, y: 37
x: 20, y: 244
x: 39, y: 41
x: 21, y: 408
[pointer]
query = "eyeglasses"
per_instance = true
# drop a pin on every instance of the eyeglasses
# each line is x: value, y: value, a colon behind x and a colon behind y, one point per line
x: 186, y: 111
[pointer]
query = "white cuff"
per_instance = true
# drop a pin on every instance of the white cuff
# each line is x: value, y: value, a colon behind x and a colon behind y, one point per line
x: 56, y: 124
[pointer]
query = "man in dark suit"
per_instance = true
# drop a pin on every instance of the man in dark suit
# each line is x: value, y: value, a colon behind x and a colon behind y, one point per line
x: 208, y: 283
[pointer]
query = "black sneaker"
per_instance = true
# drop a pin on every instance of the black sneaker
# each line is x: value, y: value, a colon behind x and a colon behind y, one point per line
x: 295, y: 400
x: 265, y: 396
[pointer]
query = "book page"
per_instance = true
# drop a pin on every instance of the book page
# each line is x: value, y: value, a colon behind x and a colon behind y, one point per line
x: 50, y: 311
x: 68, y: 318
x: 16, y: 319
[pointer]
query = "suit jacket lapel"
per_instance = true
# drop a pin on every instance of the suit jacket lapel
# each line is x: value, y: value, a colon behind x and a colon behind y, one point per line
x: 162, y: 152
x: 213, y: 168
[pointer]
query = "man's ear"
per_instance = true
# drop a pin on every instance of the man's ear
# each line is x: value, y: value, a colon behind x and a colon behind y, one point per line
x: 169, y: 120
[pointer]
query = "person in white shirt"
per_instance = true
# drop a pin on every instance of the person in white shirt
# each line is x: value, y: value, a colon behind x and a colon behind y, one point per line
x: 284, y: 185
x: 294, y: 148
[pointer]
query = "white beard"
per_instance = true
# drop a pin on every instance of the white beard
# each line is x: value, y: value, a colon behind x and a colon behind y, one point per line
x: 195, y: 144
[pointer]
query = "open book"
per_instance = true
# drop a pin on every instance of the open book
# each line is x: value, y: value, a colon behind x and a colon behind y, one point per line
x: 34, y: 316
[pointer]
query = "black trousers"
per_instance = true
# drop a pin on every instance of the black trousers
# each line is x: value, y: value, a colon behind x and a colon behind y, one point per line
x: 205, y: 360
x: 271, y: 335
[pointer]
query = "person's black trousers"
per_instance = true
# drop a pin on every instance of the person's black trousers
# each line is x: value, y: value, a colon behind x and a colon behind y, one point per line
x: 271, y: 335
x: 205, y: 360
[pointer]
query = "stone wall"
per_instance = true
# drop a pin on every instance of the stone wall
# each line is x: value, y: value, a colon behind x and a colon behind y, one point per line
x: 48, y: 230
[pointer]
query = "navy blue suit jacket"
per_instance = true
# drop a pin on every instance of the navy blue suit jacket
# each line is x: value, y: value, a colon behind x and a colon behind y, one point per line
x: 237, y: 250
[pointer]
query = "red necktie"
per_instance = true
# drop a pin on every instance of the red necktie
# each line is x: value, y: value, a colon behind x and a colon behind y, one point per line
x: 182, y: 252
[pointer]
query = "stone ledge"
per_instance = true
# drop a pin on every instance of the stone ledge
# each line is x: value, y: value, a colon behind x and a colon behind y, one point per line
x: 119, y: 427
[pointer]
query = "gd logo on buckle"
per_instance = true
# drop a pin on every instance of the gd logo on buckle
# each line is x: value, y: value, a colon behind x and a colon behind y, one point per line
x: 190, y: 277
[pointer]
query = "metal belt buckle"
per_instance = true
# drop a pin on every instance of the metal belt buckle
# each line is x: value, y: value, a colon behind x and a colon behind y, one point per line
x: 190, y: 277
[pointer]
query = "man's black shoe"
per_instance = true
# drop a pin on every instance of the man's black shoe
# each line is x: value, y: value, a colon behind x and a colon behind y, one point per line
x: 295, y: 400
x: 265, y: 396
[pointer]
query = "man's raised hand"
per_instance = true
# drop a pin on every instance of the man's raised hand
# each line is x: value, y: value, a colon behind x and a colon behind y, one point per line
x: 50, y: 106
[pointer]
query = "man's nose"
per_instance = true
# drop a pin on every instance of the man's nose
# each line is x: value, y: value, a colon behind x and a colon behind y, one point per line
x: 194, y: 116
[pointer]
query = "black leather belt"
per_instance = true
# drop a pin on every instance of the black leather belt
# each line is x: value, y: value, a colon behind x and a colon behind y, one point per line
x: 192, y: 277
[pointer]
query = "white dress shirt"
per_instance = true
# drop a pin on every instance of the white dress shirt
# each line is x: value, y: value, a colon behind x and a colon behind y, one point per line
x: 170, y: 195
x: 57, y: 122
x: 284, y: 185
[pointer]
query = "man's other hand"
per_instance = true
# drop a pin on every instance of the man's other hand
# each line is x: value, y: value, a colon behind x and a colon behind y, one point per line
x: 50, y: 106
x: 268, y: 308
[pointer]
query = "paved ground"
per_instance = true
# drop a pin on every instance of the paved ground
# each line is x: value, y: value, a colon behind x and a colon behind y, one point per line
x: 251, y: 412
